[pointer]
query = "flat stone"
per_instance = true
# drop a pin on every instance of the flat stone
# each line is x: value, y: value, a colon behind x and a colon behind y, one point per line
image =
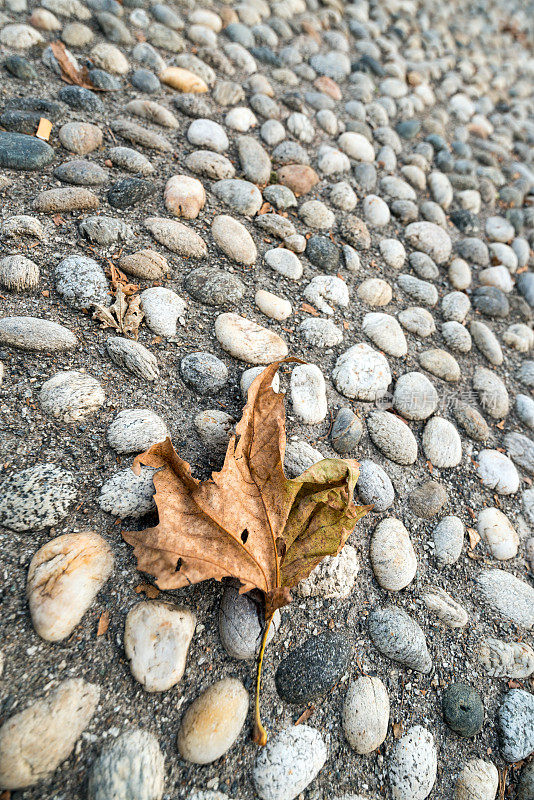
x: 418, y: 321
x: 80, y: 137
x: 134, y: 357
x: 516, y: 725
x: 288, y: 763
x: 21, y: 152
x: 392, y: 555
x: 204, y: 372
x: 506, y: 660
x: 284, y: 262
x: 243, y: 197
x: 34, y: 333
x: 430, y: 239
x: 509, y: 596
x: 130, y: 192
x: 246, y: 340
x: 234, y: 240
x: 71, y: 396
x: 427, y: 499
x: 441, y: 364
x: 157, y: 636
x: 209, y: 134
x: 131, y: 160
x: 392, y: 437
x: 177, y: 237
x: 361, y: 373
x: 37, y: 497
x: 81, y: 172
x: 134, y: 430
x: 137, y: 134
x: 215, y: 287
x: 64, y: 577
x: 163, y: 309
x: 446, y: 609
x: 374, y: 486
x: 397, y: 636
x: 413, y: 765
x: 213, y: 721
x: 35, y: 741
x: 131, y: 766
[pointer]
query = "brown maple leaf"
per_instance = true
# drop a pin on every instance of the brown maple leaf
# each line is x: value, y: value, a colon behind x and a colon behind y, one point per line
x: 69, y: 72
x: 248, y: 521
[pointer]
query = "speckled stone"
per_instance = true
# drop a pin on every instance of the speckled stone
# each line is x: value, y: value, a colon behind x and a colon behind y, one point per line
x: 132, y: 766
x: 37, y: 497
x: 400, y: 638
x: 312, y: 668
x: 204, y: 372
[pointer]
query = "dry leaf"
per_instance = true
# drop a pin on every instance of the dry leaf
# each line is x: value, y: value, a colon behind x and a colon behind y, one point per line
x: 248, y: 521
x: 306, y: 714
x: 44, y: 129
x: 103, y: 623
x: 118, y: 278
x: 151, y: 591
x: 69, y: 73
x: 124, y: 315
x: 397, y: 729
x: 309, y: 309
x: 474, y: 538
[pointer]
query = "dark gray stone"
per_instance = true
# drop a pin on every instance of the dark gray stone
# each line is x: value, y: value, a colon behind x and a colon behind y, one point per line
x: 20, y: 67
x: 145, y: 81
x: 104, y: 80
x: 18, y: 151
x: 129, y: 192
x: 311, y: 669
x: 347, y: 431
x: 80, y: 98
x: 215, y: 287
x: 525, y: 285
x: 204, y: 372
x: 491, y: 302
x: 323, y: 253
x: 463, y: 710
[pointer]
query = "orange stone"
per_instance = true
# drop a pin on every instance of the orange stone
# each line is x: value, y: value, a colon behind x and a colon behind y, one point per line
x: 298, y: 177
x: 328, y: 86
x: 183, y: 80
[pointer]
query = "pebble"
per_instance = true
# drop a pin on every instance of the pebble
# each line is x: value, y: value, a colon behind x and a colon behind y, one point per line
x: 134, y: 430
x: 506, y: 660
x: 463, y: 710
x: 18, y: 273
x: 81, y: 282
x: 374, y: 486
x: 33, y: 333
x: 525, y: 787
x: 392, y: 437
x: 418, y: 321
x: 130, y: 192
x: 448, y: 538
x: 415, y: 396
x: 162, y: 308
x: 284, y: 262
x: 105, y: 230
x: 130, y: 160
x: 413, y: 765
x: 241, y: 624
x: 128, y: 495
x: 385, y: 333
x: 427, y: 499
x: 308, y: 393
x: 516, y: 725
x: 35, y: 741
x: 334, y: 578
x: 511, y: 597
x: 325, y: 288
x: 177, y: 237
x: 213, y: 721
x: 215, y: 287
x: 521, y: 450
x: 487, y: 342
x: 445, y: 607
x: 375, y: 292
x: 346, y: 431
x: 132, y: 766
x: 71, y: 396
x: 478, y: 780
x: 137, y: 134
x: 430, y: 239
x: 204, y: 372
x: 36, y: 497
x: 234, y: 240
x: 157, y: 636
x: 491, y: 302
x: 300, y: 178
x: 320, y: 332
x: 242, y: 196
x: 80, y: 137
x: 214, y: 428
x: 288, y: 763
x: 392, y: 555
x: 497, y: 532
x: 246, y: 340
x: 441, y: 443
x: 208, y: 134
x: 134, y: 357
x: 397, y: 636
x: 361, y: 373
x: 273, y: 306
x: 366, y: 714
x: 524, y: 407
x: 491, y: 392
x: 313, y: 668
x: 65, y: 199
x: 183, y: 80
x: 441, y: 364
x: 420, y: 291
x: 81, y: 172
x: 323, y: 253
x: 64, y: 577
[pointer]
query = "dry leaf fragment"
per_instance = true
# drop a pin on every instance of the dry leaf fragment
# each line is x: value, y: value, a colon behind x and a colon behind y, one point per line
x: 44, y: 129
x: 103, y: 623
x: 397, y: 729
x: 69, y: 73
x: 248, y: 521
x: 151, y: 591
x: 474, y: 538
x: 124, y: 315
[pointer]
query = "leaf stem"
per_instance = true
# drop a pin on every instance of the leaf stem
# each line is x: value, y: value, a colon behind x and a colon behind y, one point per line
x: 259, y: 735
